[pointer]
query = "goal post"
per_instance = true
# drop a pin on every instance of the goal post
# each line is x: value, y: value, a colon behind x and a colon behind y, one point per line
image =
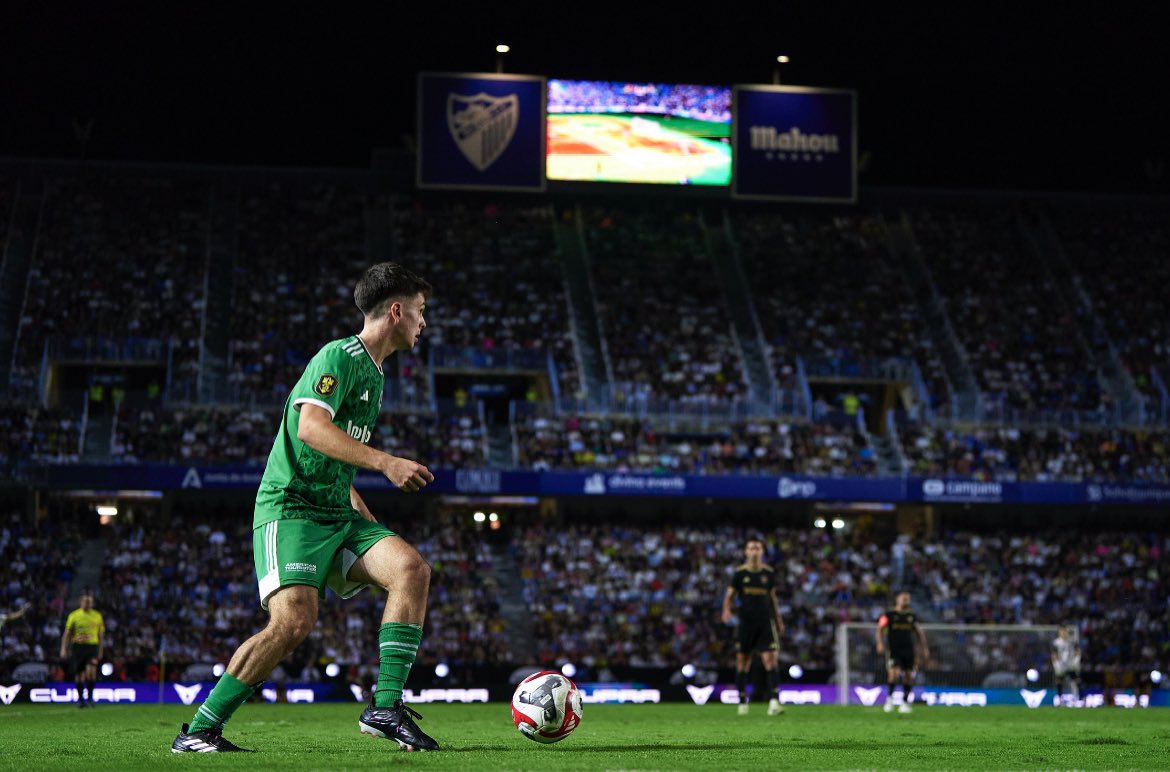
x: 961, y: 656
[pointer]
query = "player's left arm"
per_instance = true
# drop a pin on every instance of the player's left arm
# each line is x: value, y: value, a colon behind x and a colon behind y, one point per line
x: 101, y: 636
x: 924, y: 647
x: 776, y: 610
x: 357, y: 503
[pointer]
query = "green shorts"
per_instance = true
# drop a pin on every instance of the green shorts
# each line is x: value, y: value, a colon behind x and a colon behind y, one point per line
x: 303, y: 551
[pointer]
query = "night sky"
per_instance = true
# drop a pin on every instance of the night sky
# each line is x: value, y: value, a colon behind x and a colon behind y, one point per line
x: 1023, y: 95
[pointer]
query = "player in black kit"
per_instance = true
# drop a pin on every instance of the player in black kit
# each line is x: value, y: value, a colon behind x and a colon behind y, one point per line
x: 760, y: 623
x: 896, y: 632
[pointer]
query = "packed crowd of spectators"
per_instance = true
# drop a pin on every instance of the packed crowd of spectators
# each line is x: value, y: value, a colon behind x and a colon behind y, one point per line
x: 37, y: 563
x: 1112, y: 586
x: 188, y: 590
x: 1118, y: 258
x: 620, y: 594
x: 33, y: 433
x: 1024, y: 345
x: 1045, y: 455
x: 601, y: 594
x: 210, y: 435
x: 119, y: 270
x: 827, y: 289
x: 666, y: 325
x: 498, y: 286
x: 302, y: 246
x: 746, y: 447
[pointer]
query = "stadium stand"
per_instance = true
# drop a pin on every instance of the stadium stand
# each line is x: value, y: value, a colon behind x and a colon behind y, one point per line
x: 666, y: 326
x: 129, y: 267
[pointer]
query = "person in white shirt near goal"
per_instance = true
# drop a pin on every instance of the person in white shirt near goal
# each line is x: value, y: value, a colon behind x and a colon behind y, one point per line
x: 1066, y: 665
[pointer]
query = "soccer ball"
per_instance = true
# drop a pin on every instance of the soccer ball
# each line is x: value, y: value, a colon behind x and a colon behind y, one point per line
x: 546, y: 707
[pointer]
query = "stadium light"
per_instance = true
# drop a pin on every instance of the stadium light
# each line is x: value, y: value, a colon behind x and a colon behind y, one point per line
x: 819, y: 522
x: 838, y: 523
x: 501, y: 49
x: 479, y: 517
x: 781, y: 59
x: 493, y: 517
x: 107, y: 510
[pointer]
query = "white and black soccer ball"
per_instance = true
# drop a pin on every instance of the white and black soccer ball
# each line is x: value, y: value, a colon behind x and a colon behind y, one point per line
x: 546, y: 707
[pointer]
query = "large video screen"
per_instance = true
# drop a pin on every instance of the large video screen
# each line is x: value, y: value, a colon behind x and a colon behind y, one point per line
x: 604, y: 131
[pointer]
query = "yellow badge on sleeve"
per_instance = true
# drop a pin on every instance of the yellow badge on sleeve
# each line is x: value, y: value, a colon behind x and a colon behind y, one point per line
x: 326, y: 385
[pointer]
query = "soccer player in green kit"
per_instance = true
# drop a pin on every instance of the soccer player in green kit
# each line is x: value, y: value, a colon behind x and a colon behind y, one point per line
x: 311, y: 528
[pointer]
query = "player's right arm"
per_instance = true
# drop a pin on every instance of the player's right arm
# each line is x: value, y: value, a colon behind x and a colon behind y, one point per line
x: 727, y: 598
x: 880, y: 635
x: 317, y: 430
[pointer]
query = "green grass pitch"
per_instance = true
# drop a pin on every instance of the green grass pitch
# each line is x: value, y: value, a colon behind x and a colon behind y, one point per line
x: 626, y: 737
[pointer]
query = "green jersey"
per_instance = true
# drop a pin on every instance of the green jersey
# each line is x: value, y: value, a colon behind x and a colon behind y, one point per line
x: 298, y: 481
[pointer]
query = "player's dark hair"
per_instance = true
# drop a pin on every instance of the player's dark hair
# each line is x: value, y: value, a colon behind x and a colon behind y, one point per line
x: 385, y: 281
x: 751, y: 539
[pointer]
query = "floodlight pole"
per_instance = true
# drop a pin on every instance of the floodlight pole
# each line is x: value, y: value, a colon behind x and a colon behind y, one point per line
x: 781, y: 59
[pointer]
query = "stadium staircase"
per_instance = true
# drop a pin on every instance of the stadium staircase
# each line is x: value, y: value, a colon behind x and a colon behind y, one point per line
x: 15, y: 260
x: 222, y: 248
x: 87, y: 573
x: 513, y: 609
x: 966, y: 400
x: 96, y: 444
x: 1046, y: 247
x: 887, y: 455
x: 586, y: 328
x: 500, y: 449
x: 748, y: 334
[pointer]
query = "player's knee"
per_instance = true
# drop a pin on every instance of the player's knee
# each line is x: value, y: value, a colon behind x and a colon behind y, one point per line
x: 294, y: 628
x: 412, y: 572
x: 292, y: 621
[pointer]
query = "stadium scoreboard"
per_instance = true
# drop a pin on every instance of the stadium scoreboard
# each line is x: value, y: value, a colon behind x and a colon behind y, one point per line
x: 519, y: 132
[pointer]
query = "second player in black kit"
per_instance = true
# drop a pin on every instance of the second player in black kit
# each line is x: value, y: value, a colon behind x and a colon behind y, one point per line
x: 897, y: 633
x: 760, y: 623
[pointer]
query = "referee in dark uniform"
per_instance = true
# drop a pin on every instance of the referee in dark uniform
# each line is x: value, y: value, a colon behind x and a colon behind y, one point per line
x: 897, y: 632
x: 760, y: 623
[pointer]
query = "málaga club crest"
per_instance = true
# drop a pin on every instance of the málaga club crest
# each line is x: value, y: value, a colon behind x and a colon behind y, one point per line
x: 482, y: 125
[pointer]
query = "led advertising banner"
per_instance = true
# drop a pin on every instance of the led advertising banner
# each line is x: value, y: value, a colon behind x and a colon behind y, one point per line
x: 160, y: 477
x: 481, y: 131
x: 62, y: 693
x: 794, y: 143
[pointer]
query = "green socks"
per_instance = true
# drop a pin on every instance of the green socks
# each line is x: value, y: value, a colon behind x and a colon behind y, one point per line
x: 229, y: 694
x: 397, y: 647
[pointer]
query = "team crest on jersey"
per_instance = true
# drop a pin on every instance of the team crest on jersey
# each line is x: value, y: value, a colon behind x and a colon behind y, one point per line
x: 326, y: 385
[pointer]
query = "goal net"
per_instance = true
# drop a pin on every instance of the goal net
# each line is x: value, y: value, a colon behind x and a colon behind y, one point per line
x: 961, y: 656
